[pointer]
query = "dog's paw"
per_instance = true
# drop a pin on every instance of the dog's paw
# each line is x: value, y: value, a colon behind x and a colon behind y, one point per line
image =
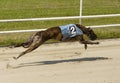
x: 97, y: 43
x: 15, y: 58
x: 85, y: 46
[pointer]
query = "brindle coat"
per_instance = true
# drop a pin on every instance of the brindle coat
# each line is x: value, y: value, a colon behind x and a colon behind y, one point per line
x: 55, y: 33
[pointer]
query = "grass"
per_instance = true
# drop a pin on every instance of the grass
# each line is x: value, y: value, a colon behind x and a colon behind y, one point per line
x: 16, y: 9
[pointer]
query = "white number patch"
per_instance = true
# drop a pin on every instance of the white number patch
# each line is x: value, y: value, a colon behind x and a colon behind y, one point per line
x: 72, y: 30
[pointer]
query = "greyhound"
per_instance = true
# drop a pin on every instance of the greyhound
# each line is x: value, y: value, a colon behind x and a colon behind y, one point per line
x: 69, y: 32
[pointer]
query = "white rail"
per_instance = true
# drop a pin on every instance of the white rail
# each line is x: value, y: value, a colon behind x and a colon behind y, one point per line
x: 34, y: 30
x: 103, y: 26
x: 21, y: 31
x: 60, y: 18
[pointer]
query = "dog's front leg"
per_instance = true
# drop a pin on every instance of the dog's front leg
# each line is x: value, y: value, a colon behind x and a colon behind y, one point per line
x: 83, y: 41
x: 89, y: 42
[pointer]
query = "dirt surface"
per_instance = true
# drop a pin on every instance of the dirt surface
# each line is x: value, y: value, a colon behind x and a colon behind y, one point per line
x: 63, y: 63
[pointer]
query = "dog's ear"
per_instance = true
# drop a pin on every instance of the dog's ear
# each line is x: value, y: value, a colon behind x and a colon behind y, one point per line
x: 89, y: 28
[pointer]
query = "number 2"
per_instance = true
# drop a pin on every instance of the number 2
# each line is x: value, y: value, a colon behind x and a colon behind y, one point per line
x: 72, y: 30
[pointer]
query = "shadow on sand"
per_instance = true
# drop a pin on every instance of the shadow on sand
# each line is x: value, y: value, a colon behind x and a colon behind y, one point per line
x: 60, y: 61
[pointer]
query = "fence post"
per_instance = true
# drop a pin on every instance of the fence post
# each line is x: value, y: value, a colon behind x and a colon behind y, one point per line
x: 80, y: 21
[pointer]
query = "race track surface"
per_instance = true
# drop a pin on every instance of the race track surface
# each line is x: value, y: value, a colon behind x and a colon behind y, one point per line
x: 63, y: 63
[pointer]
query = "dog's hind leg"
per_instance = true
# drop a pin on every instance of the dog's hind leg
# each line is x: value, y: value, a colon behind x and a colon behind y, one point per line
x: 37, y: 41
x: 25, y: 44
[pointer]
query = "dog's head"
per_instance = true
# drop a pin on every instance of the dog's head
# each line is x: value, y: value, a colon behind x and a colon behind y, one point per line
x: 91, y: 34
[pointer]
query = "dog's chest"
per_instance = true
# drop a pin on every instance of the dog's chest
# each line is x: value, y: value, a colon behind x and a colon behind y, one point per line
x: 70, y: 30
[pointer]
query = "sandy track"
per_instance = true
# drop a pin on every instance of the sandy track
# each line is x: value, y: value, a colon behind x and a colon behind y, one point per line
x: 63, y: 63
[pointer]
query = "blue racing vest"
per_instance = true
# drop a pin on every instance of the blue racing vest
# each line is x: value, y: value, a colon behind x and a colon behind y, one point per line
x: 70, y: 30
